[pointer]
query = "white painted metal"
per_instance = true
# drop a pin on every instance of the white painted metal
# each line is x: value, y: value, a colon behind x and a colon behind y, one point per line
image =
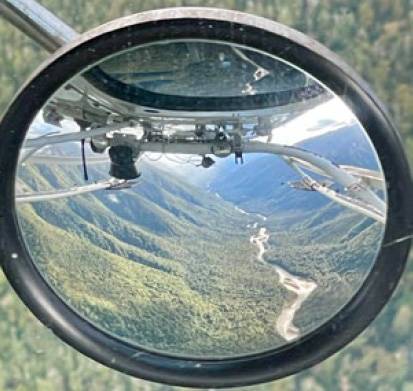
x: 60, y: 138
x: 73, y: 191
x: 38, y: 23
x: 358, y: 191
x: 67, y: 160
x: 349, y: 202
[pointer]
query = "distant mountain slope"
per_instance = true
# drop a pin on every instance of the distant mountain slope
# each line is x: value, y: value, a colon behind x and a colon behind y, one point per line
x: 261, y: 184
x: 169, y: 265
x: 310, y: 235
x: 165, y: 264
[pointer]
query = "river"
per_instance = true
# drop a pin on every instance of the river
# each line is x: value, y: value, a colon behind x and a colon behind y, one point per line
x: 301, y: 287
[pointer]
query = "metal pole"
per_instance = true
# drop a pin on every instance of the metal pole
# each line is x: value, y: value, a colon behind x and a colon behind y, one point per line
x: 47, y: 30
x: 38, y: 23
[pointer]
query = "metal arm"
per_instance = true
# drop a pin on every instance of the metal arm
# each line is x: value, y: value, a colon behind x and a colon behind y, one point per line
x: 341, y: 176
x: 66, y: 160
x: 349, y: 202
x: 38, y: 23
x: 370, y: 177
x: 360, y: 196
x: 48, y: 31
x: 73, y: 191
x: 51, y: 33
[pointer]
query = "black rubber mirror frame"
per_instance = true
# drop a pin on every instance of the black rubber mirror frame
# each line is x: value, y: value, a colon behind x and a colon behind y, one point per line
x: 260, y: 34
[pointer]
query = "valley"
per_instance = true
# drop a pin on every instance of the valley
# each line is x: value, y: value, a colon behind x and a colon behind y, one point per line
x: 172, y: 266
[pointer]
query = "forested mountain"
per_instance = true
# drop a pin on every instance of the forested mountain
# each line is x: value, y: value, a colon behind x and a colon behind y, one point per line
x: 375, y: 37
x: 157, y: 248
x: 171, y: 266
x: 272, y: 192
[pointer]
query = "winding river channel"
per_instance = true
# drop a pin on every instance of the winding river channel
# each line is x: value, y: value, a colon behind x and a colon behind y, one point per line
x: 301, y: 287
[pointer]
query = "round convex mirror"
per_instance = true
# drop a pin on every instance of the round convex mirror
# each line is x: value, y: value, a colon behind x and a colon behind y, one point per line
x: 202, y: 198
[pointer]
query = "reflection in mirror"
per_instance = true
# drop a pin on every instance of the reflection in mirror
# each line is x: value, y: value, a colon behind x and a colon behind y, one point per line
x: 217, y: 204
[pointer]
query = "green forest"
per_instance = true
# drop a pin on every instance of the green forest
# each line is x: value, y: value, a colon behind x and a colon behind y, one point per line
x: 376, y: 38
x: 129, y: 263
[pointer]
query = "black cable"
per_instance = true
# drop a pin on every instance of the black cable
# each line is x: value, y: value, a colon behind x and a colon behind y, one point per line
x: 85, y: 174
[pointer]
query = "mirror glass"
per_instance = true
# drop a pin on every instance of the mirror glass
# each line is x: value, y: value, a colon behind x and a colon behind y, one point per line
x: 200, y: 199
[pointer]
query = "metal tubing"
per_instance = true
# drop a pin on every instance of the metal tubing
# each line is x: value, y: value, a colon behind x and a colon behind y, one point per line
x: 60, y: 138
x: 38, y: 23
x: 352, y: 183
x: 58, y: 194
